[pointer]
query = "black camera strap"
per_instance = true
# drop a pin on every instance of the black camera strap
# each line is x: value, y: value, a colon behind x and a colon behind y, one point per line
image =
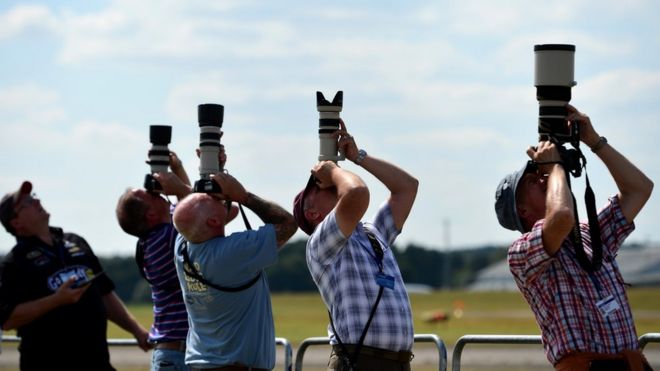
x: 350, y: 360
x: 190, y: 270
x: 596, y: 261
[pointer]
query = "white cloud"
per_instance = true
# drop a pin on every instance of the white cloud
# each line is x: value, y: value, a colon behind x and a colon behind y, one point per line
x: 23, y: 18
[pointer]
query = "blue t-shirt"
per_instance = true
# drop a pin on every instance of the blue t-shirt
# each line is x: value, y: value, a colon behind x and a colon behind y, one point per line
x: 228, y: 328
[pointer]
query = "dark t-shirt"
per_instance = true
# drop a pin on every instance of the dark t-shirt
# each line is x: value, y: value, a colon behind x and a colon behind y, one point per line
x: 72, y: 336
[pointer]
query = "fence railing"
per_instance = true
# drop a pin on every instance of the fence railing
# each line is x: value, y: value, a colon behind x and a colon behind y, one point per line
x: 418, y: 338
x: 651, y: 337
x: 488, y: 339
x: 288, y: 350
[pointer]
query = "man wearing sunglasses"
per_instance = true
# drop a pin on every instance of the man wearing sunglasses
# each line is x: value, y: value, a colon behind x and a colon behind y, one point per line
x: 582, y: 309
x: 54, y: 292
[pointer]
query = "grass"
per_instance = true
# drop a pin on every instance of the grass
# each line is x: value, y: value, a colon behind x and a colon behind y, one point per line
x: 299, y: 316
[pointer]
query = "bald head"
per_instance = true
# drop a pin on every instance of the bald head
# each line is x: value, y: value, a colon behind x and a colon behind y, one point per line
x: 200, y: 217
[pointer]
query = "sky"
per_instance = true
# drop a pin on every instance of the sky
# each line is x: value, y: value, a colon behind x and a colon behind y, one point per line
x: 442, y: 89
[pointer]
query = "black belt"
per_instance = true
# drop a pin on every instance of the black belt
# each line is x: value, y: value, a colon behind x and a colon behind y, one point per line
x: 403, y: 356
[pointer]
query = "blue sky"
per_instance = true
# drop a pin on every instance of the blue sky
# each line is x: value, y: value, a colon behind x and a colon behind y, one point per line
x: 442, y: 89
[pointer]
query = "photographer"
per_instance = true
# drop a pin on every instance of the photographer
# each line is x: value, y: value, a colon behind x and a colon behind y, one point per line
x: 584, y: 315
x: 352, y: 263
x: 147, y: 215
x: 223, y: 280
x: 54, y: 292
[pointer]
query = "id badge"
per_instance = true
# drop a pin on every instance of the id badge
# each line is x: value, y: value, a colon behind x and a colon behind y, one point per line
x: 385, y: 281
x: 607, y: 305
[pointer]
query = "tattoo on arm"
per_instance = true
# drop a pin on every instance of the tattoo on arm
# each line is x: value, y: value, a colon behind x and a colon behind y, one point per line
x: 271, y: 213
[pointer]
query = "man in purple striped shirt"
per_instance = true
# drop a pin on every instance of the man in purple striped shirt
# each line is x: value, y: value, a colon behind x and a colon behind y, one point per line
x: 584, y: 315
x: 147, y: 215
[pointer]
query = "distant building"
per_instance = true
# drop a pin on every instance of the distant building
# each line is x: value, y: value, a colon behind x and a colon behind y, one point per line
x: 640, y: 266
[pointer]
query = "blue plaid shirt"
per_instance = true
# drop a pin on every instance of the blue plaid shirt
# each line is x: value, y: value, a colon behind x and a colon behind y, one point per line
x: 344, y: 270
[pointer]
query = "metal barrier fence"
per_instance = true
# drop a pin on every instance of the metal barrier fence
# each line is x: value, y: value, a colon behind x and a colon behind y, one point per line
x: 519, y: 339
x: 651, y: 337
x: 488, y: 339
x: 288, y: 350
x: 419, y: 338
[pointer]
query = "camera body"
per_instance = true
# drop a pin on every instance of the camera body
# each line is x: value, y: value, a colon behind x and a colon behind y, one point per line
x: 210, y: 117
x: 554, y: 68
x: 159, y: 155
x: 328, y: 124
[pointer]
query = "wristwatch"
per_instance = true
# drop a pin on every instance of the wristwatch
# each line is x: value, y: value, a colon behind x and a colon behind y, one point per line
x: 361, y: 155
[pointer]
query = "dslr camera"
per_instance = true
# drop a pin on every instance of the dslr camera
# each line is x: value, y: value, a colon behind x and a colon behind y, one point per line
x: 553, y: 77
x: 159, y: 155
x: 328, y: 124
x: 210, y: 118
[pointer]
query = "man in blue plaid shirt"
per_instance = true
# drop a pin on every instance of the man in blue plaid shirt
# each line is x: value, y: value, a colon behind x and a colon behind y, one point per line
x: 352, y: 263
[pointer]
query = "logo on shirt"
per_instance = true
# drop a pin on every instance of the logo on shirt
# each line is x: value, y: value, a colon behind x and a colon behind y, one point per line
x: 80, y: 272
x: 74, y: 250
x: 192, y: 284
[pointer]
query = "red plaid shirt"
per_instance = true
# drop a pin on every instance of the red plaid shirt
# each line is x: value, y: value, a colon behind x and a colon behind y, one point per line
x: 563, y: 296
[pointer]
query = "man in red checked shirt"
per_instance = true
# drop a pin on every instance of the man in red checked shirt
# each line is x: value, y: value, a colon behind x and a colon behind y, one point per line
x: 584, y: 315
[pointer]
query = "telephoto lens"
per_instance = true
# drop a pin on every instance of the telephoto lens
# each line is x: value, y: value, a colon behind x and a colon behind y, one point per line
x: 328, y: 124
x: 159, y: 155
x: 554, y: 77
x: 210, y: 118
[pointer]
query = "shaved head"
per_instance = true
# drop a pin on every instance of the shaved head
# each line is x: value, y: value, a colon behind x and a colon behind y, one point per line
x: 200, y: 217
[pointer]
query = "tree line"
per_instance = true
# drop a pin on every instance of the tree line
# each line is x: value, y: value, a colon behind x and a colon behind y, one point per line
x: 453, y: 269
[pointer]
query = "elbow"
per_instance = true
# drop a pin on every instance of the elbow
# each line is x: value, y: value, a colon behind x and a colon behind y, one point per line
x: 648, y: 188
x: 563, y: 218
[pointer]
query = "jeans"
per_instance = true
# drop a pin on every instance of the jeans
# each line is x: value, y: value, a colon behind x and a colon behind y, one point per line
x: 168, y: 360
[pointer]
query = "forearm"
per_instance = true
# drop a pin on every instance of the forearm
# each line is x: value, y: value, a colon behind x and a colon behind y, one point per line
x: 27, y: 312
x: 633, y: 185
x: 393, y: 177
x: 402, y: 186
x: 271, y: 213
x: 180, y: 172
x: 559, y: 215
x: 118, y: 314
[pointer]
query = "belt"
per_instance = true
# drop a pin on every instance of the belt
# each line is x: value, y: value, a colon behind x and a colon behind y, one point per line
x: 179, y: 345
x: 631, y: 360
x: 229, y: 368
x: 403, y: 356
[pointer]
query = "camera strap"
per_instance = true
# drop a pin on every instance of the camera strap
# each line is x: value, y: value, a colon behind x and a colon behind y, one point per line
x: 190, y: 270
x: 596, y: 261
x: 350, y: 360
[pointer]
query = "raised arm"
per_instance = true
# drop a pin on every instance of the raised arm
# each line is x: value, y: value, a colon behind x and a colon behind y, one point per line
x: 269, y: 212
x: 634, y: 186
x: 352, y: 194
x: 402, y: 186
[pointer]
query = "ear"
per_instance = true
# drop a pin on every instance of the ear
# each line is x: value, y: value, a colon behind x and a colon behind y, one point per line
x: 151, y: 216
x: 213, y: 222
x: 523, y: 214
x: 311, y: 214
x: 15, y: 223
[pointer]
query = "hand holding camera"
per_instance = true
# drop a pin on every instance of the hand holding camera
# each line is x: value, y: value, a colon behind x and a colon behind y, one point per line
x: 345, y: 142
x: 322, y: 173
x: 232, y: 189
